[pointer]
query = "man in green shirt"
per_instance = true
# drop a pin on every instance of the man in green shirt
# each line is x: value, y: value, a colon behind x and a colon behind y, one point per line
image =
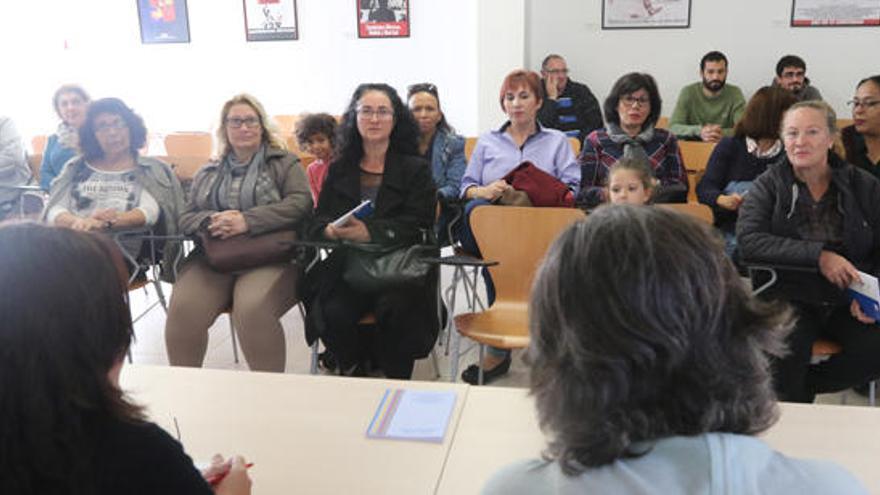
x: 709, y: 109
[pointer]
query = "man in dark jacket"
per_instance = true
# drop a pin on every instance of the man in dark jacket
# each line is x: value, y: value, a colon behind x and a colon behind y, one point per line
x: 568, y: 105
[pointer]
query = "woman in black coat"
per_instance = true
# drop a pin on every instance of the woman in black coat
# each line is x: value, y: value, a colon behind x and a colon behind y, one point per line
x: 377, y: 160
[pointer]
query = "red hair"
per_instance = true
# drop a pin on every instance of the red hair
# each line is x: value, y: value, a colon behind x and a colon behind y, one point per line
x: 518, y: 79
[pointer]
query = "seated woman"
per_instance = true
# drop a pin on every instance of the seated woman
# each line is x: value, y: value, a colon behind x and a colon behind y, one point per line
x: 650, y: 374
x: 497, y: 152
x: 68, y: 428
x: 255, y: 187
x: 631, y: 110
x: 862, y: 139
x: 70, y: 102
x: 14, y: 170
x: 441, y: 146
x: 816, y: 211
x: 377, y: 160
x: 736, y: 161
x: 111, y: 187
x: 316, y: 134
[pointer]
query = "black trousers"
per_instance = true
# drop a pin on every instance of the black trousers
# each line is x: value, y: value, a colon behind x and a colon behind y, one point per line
x: 796, y: 380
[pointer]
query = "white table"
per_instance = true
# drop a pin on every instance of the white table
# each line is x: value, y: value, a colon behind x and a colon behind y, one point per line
x: 304, y: 434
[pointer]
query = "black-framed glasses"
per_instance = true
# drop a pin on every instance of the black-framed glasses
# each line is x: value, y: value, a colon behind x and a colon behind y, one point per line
x: 421, y: 88
x: 866, y: 104
x: 630, y: 101
x: 557, y: 71
x: 236, y: 123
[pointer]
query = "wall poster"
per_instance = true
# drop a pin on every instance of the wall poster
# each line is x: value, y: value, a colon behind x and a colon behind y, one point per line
x: 810, y: 13
x: 163, y: 21
x: 270, y: 20
x: 641, y: 14
x: 383, y: 18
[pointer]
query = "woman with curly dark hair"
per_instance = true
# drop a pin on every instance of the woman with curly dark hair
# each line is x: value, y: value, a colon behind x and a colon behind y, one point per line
x: 111, y: 186
x: 67, y: 426
x: 651, y: 374
x: 377, y: 159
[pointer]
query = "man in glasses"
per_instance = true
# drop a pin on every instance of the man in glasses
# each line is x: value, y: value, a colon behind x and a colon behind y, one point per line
x: 708, y: 109
x: 568, y: 105
x: 791, y: 74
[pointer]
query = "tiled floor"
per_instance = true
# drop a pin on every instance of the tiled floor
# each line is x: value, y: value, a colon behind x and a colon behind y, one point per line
x: 149, y: 347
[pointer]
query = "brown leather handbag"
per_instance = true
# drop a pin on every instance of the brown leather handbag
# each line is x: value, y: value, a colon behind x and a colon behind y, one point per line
x: 247, y: 251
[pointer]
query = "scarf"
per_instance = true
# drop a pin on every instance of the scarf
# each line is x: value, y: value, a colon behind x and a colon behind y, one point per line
x: 633, y: 147
x: 67, y: 136
x: 257, y: 188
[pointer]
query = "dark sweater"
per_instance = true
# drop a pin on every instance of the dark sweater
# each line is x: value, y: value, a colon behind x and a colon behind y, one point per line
x: 575, y: 112
x: 730, y: 161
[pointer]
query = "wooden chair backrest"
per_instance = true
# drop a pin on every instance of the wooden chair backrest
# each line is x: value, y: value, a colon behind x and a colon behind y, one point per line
x: 841, y: 123
x: 662, y: 123
x: 696, y: 210
x: 34, y: 162
x: 184, y: 166
x: 38, y: 144
x: 286, y: 124
x: 469, y: 144
x: 575, y: 145
x: 518, y: 238
x: 189, y: 144
x: 695, y: 155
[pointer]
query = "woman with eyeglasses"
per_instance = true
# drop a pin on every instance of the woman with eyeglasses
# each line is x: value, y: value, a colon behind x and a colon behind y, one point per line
x: 70, y: 102
x: 814, y: 211
x: 254, y: 187
x: 110, y: 186
x: 440, y: 145
x: 862, y: 139
x: 378, y: 160
x: 631, y: 111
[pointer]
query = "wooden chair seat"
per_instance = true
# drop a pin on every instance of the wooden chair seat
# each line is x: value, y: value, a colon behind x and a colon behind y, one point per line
x: 504, y: 325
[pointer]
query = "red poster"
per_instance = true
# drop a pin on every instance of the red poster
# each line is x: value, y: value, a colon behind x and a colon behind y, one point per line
x: 383, y: 18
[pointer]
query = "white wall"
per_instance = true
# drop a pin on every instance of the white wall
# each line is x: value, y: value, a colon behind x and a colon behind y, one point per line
x: 182, y: 86
x: 501, y: 49
x: 753, y: 34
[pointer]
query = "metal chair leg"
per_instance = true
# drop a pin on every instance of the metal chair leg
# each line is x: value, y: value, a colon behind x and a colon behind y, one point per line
x: 872, y: 389
x: 436, y: 364
x: 313, y: 367
x: 480, y: 365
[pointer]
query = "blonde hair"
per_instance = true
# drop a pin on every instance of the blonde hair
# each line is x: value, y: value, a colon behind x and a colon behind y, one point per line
x: 271, y: 134
x: 821, y: 106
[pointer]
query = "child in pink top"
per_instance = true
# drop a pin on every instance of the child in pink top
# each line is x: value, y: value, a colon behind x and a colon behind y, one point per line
x: 315, y: 133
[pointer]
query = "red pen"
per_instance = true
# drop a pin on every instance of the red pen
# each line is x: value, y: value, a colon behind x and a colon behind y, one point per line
x: 216, y: 478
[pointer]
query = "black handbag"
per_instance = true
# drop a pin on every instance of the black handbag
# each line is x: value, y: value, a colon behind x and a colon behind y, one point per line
x: 373, y: 268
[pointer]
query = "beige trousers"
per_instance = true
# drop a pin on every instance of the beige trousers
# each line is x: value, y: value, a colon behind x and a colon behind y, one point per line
x: 257, y: 298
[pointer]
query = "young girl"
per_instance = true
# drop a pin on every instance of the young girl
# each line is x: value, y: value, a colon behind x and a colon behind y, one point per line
x: 315, y: 134
x: 630, y: 181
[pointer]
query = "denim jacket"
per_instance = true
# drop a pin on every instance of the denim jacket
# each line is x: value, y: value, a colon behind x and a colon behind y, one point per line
x: 447, y: 162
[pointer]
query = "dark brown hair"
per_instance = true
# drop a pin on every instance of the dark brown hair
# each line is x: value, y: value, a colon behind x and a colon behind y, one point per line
x: 642, y: 329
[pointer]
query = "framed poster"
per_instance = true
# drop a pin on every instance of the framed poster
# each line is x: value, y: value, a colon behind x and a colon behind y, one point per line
x: 270, y: 20
x: 383, y: 18
x: 830, y: 13
x: 643, y: 14
x: 163, y: 21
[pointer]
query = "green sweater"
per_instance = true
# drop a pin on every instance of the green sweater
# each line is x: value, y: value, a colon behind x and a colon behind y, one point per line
x: 694, y: 109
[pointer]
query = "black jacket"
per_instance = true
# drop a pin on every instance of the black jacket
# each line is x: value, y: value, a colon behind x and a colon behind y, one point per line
x: 584, y: 114
x: 403, y: 213
x: 767, y: 229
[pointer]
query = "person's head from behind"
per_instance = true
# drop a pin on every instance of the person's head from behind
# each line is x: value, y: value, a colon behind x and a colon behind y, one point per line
x: 763, y: 113
x: 791, y: 73
x: 630, y: 181
x: 316, y: 134
x: 71, y: 102
x: 641, y: 329
x: 634, y: 103
x: 424, y: 103
x: 66, y: 328
x: 713, y: 70
x: 376, y: 115
x: 111, y: 129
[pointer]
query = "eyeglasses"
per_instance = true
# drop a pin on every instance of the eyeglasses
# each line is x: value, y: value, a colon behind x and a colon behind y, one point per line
x: 629, y: 101
x: 249, y: 122
x: 118, y: 125
x: 367, y: 113
x: 421, y: 88
x: 866, y: 104
x: 556, y: 71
